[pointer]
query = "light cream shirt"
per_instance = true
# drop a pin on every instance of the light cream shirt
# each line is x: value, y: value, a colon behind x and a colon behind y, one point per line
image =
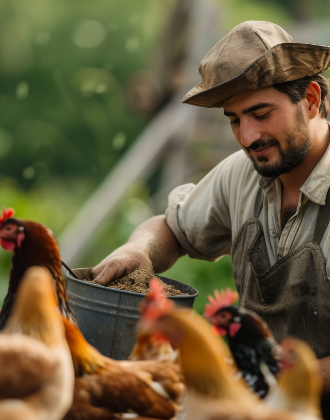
x: 206, y: 218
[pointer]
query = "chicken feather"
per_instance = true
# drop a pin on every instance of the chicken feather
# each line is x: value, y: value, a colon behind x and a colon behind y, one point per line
x: 213, y: 393
x: 115, y: 387
x: 153, y: 346
x: 36, y: 372
x: 33, y: 244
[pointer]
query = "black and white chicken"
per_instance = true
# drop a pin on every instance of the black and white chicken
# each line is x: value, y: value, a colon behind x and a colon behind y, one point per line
x: 254, y: 349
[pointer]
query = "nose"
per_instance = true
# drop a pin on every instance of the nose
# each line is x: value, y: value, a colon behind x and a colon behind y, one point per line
x: 249, y: 132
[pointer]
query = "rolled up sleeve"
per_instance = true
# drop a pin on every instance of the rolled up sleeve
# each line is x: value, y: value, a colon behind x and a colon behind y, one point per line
x: 199, y: 217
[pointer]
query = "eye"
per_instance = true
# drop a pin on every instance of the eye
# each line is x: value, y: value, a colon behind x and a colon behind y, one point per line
x: 234, y: 122
x: 263, y: 116
x: 8, y: 228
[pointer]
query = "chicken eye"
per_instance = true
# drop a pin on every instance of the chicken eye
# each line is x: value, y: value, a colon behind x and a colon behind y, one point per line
x: 8, y: 228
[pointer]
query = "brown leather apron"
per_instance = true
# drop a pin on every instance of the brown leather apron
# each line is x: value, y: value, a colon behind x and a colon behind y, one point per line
x: 292, y: 296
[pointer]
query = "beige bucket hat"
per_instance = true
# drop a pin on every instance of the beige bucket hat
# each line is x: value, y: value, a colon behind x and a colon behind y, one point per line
x: 254, y: 55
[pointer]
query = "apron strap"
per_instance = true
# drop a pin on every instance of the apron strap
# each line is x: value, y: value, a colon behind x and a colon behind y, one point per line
x: 258, y: 203
x: 322, y: 221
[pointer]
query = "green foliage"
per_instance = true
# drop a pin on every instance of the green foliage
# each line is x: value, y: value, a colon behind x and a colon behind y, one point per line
x: 300, y: 10
x: 235, y: 12
x: 63, y: 71
x: 64, y: 119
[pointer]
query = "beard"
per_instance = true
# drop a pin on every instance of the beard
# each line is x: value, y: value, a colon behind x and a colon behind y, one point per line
x: 298, y: 145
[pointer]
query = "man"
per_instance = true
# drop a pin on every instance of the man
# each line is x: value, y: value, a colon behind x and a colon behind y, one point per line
x: 267, y: 205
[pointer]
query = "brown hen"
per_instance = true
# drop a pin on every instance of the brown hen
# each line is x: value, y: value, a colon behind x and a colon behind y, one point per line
x: 153, y: 345
x: 33, y: 244
x: 105, y: 388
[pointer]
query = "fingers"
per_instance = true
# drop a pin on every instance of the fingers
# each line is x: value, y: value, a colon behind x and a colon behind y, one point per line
x: 110, y: 271
x: 116, y: 267
x: 97, y: 270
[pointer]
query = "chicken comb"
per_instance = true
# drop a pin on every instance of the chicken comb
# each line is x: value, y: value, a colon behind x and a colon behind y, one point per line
x: 155, y: 303
x: 7, y: 213
x: 220, y: 300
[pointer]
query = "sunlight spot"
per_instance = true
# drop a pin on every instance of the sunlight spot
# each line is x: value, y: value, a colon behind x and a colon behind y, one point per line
x: 119, y: 141
x: 132, y: 44
x: 42, y: 38
x: 28, y: 172
x: 22, y: 90
x: 88, y: 34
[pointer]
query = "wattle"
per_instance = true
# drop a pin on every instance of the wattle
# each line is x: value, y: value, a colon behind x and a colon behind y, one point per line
x: 7, y: 245
x: 218, y: 330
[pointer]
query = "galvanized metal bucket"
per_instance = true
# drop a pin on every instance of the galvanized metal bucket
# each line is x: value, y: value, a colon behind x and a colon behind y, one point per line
x: 108, y: 317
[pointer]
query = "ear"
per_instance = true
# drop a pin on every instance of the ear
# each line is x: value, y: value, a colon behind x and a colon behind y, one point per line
x: 20, y: 238
x: 234, y: 328
x: 313, y: 99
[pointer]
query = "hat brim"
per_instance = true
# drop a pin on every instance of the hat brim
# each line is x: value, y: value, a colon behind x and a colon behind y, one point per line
x: 282, y: 63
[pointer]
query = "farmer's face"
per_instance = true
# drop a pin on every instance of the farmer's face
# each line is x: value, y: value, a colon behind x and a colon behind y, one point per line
x: 270, y: 129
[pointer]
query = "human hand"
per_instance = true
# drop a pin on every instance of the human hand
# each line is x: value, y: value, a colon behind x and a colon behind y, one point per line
x: 122, y: 261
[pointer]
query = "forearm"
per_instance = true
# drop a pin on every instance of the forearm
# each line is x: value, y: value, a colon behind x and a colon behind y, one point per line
x: 156, y: 239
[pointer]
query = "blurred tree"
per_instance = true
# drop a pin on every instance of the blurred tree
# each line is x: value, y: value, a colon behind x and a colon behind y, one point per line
x: 151, y: 87
x: 64, y: 117
x: 64, y: 66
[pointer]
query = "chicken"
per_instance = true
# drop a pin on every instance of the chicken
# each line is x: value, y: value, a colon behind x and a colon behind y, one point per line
x: 153, y: 346
x: 211, y: 388
x: 33, y: 244
x: 214, y: 394
x: 105, y: 388
x: 254, y: 349
x: 299, y: 386
x: 36, y: 372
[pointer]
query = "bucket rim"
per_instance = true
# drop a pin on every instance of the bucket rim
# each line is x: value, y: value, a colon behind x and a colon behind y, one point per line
x: 111, y: 289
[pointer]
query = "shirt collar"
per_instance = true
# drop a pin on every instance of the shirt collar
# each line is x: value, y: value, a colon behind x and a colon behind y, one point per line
x: 317, y: 184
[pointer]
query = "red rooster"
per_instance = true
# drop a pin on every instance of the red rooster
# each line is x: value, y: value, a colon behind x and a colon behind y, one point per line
x: 253, y: 347
x: 153, y: 346
x: 33, y: 244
